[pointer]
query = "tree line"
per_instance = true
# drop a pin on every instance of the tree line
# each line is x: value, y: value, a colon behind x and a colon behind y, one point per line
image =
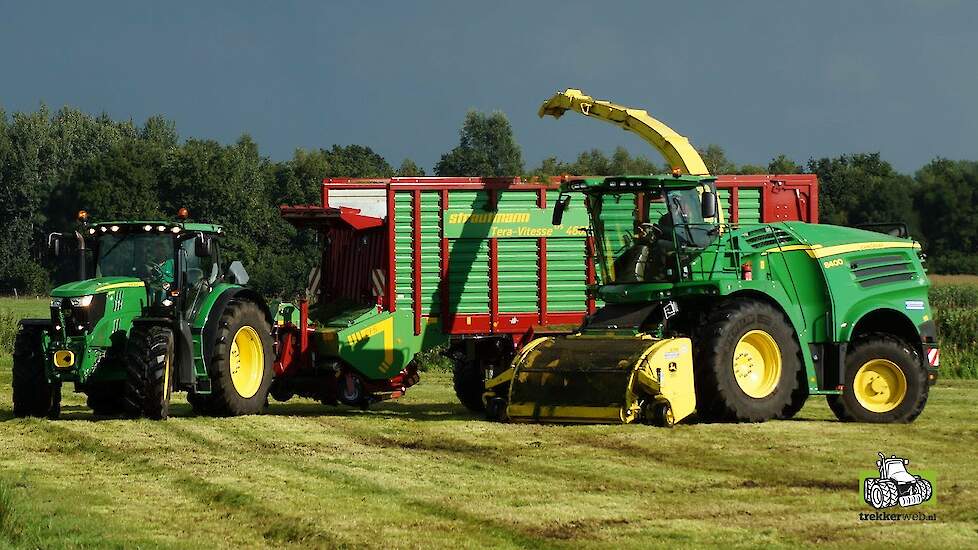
x: 54, y: 163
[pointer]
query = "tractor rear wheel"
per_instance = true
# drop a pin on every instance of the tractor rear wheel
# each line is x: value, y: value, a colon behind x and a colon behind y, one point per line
x: 33, y: 395
x: 884, y: 382
x: 241, y: 368
x: 149, y: 372
x: 747, y: 363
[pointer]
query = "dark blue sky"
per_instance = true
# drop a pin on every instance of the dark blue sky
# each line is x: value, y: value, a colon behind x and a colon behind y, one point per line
x: 759, y: 78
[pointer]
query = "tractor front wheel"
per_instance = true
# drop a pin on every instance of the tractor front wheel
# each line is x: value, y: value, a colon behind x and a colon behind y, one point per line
x: 149, y: 372
x: 33, y: 394
x: 241, y: 368
x: 884, y: 382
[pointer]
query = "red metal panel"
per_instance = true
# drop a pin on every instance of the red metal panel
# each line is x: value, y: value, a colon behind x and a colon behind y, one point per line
x: 443, y: 281
x: 391, y: 298
x: 735, y: 205
x: 480, y: 323
x: 415, y: 259
x: 591, y: 276
x: 493, y: 282
x: 788, y: 197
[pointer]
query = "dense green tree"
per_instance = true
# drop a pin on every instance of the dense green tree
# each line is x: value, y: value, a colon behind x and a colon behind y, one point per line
x: 781, y: 164
x: 863, y: 188
x: 409, y: 169
x: 716, y: 160
x: 486, y: 148
x: 948, y: 203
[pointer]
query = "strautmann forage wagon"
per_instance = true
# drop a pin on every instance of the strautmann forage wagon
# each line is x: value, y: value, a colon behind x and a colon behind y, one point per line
x: 473, y: 264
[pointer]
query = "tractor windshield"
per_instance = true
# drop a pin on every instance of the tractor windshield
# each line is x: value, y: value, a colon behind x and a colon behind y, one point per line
x: 142, y: 255
x: 648, y: 235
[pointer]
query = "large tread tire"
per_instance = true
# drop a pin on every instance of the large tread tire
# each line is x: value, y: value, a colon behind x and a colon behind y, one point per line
x: 469, y: 380
x: 33, y: 394
x: 718, y: 395
x: 881, y: 346
x: 225, y: 399
x: 798, y: 397
x: 150, y: 358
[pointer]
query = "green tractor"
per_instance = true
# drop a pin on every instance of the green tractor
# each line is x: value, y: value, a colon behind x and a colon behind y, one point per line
x: 150, y: 311
x: 732, y: 321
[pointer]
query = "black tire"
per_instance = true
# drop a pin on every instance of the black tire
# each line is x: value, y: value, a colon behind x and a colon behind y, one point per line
x: 149, y: 372
x: 33, y: 394
x: 107, y: 398
x: 200, y: 403
x: 225, y: 399
x: 847, y: 407
x: 469, y: 379
x: 718, y: 394
x: 798, y: 397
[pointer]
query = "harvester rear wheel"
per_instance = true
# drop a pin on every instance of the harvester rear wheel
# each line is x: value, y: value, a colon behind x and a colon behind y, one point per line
x: 884, y: 382
x: 33, y: 395
x: 747, y: 363
x: 149, y: 372
x: 241, y: 368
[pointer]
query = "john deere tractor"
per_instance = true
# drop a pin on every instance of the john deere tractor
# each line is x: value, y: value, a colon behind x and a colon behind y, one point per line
x: 736, y: 321
x: 150, y: 312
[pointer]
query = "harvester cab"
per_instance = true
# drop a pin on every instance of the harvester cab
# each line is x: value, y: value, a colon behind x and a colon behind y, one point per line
x: 149, y: 311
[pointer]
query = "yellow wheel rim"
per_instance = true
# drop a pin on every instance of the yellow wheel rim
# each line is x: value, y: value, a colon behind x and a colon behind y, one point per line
x: 880, y: 386
x: 247, y: 361
x: 757, y: 364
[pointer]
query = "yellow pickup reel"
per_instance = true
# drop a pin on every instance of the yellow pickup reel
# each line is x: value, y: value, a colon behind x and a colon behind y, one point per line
x: 606, y: 379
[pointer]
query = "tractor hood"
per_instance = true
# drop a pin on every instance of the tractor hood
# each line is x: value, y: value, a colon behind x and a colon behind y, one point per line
x: 95, y: 286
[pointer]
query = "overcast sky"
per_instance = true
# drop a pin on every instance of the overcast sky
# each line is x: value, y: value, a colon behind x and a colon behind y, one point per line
x: 758, y: 78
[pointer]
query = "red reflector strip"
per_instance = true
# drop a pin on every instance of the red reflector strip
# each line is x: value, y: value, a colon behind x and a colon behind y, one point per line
x: 934, y: 357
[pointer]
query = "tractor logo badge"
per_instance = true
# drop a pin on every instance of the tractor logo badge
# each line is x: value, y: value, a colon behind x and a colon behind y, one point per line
x: 895, y: 485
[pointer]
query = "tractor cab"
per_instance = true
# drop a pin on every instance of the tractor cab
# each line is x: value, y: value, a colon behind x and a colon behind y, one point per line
x: 646, y: 229
x: 171, y: 263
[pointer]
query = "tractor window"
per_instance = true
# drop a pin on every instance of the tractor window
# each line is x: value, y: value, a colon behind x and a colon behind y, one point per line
x: 197, y: 268
x: 135, y: 255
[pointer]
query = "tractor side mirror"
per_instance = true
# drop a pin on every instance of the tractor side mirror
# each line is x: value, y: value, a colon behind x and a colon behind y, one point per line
x: 202, y: 246
x: 237, y: 274
x: 709, y: 204
x: 559, y: 207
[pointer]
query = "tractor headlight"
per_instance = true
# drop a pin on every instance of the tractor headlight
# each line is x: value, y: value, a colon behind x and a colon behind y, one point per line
x: 82, y: 301
x: 56, y: 302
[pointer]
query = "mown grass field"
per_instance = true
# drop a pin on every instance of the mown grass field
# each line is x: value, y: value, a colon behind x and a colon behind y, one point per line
x: 422, y: 473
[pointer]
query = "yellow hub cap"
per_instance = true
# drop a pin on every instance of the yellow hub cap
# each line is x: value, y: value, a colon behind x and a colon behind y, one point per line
x: 880, y: 386
x: 247, y: 361
x: 757, y: 364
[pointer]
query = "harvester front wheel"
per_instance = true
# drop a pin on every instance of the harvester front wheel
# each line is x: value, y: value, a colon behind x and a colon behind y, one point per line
x: 33, y: 395
x: 747, y: 363
x: 149, y: 372
x: 241, y: 368
x: 884, y: 382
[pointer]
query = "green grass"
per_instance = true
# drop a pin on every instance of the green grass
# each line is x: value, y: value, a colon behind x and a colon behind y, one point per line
x: 421, y: 472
